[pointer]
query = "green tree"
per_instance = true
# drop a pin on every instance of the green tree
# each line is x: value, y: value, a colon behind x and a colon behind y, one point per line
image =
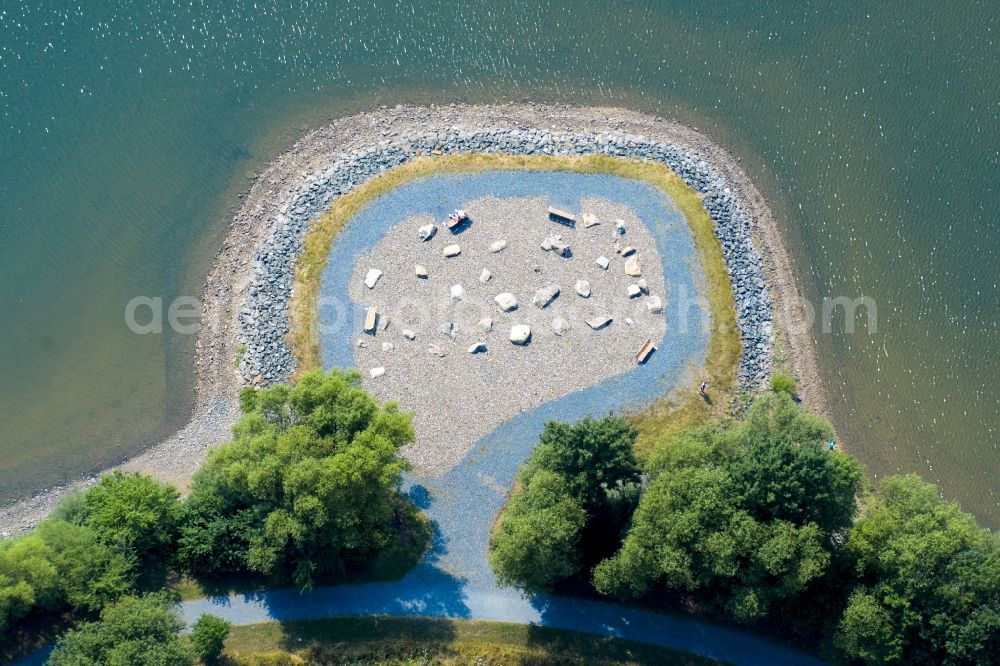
x: 306, y: 487
x: 28, y: 579
x: 929, y: 590
x: 535, y: 543
x: 132, y: 513
x: 208, y: 637
x: 91, y: 573
x: 592, y: 456
x: 135, y: 631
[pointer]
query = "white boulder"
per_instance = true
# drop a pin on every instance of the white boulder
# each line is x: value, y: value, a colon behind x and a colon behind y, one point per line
x: 409, y: 335
x: 560, y: 326
x: 654, y: 305
x: 497, y: 246
x: 520, y: 334
x: 427, y: 232
x: 372, y: 278
x: 506, y: 301
x: 485, y: 325
x: 632, y: 266
x: 597, y: 322
x: 452, y: 251
x: 545, y: 295
x: 478, y: 348
x: 421, y: 271
x: 603, y: 262
x: 583, y: 288
x: 634, y: 291
x: 376, y: 372
x: 485, y: 276
x: 457, y: 292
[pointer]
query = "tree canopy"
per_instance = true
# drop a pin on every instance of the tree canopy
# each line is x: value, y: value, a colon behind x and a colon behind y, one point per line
x: 135, y: 631
x: 579, y: 484
x: 306, y: 487
x: 929, y: 581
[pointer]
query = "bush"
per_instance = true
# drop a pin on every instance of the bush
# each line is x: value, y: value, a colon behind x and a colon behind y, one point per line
x: 535, y: 544
x: 134, y: 513
x: 782, y: 383
x: 208, y: 637
x: 139, y: 631
x: 305, y: 489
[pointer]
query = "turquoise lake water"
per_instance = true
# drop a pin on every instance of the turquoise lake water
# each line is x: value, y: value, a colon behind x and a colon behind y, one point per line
x: 128, y: 129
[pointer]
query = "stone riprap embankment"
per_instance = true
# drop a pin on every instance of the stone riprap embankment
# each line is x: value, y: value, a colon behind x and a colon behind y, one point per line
x: 265, y: 322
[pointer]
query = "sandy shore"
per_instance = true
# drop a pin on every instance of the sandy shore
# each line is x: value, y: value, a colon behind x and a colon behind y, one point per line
x: 217, y: 384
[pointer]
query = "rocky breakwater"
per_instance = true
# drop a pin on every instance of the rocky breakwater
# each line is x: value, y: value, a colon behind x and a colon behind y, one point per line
x: 264, y: 318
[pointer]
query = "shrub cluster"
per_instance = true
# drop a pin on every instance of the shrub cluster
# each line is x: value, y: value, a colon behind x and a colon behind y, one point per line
x: 307, y: 487
x: 758, y: 521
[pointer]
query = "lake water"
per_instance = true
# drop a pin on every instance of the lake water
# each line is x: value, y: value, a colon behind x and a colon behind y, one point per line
x: 127, y: 131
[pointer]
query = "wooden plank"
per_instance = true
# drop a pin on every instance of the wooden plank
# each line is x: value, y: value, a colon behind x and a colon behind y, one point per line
x: 645, y: 351
x: 370, y: 318
x: 560, y: 214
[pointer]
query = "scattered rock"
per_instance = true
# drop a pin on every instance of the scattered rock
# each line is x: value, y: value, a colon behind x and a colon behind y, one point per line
x: 520, y: 334
x: 498, y: 246
x: 387, y: 347
x: 478, y: 348
x: 426, y: 232
x: 634, y: 291
x: 376, y: 372
x: 589, y: 220
x: 363, y: 344
x: 632, y: 266
x: 452, y: 251
x: 560, y: 326
x: 372, y: 278
x: 629, y: 322
x: 654, y: 305
x: 603, y: 262
x: 643, y: 285
x: 506, y: 301
x: 409, y: 335
x: 437, y: 350
x: 421, y: 271
x: 448, y: 328
x: 583, y: 288
x: 545, y: 295
x: 556, y: 244
x: 597, y: 322
x: 485, y: 276
x: 485, y: 325
x: 457, y: 292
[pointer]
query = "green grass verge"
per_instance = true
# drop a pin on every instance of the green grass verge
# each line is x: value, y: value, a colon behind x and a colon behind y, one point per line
x: 412, y: 541
x: 399, y: 641
x: 683, y: 407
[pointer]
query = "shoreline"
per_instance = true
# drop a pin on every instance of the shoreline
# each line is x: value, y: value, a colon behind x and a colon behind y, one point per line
x: 275, y: 193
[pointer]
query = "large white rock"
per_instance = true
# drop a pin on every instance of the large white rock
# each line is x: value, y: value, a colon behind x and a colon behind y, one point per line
x: 597, y: 322
x: 560, y: 326
x: 497, y: 246
x: 545, y: 295
x: 485, y: 276
x: 452, y: 251
x: 589, y: 220
x: 457, y: 292
x: 634, y: 291
x: 376, y: 372
x: 632, y: 266
x: 654, y: 305
x: 409, y: 335
x: 603, y: 262
x: 506, y: 301
x: 478, y: 348
x: 485, y: 325
x: 520, y: 334
x: 421, y: 271
x: 372, y: 278
x: 387, y: 347
x: 583, y: 288
x: 427, y: 232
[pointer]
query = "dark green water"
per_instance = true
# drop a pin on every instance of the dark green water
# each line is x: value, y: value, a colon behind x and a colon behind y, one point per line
x: 128, y: 130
